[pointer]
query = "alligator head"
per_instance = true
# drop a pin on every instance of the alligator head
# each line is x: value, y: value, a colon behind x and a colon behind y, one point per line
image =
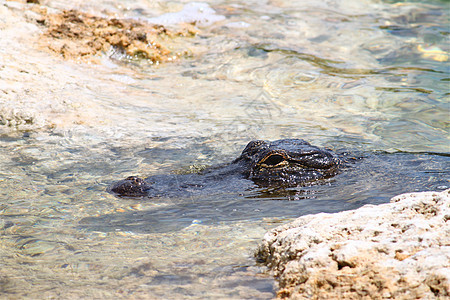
x: 287, y: 162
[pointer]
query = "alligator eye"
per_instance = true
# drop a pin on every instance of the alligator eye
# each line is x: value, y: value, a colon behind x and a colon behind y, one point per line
x: 273, y: 160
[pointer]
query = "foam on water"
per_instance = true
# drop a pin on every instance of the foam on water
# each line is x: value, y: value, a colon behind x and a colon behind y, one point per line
x: 194, y: 12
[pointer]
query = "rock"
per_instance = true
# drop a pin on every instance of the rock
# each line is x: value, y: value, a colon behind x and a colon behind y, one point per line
x: 39, y: 91
x: 399, y: 250
x: 75, y: 34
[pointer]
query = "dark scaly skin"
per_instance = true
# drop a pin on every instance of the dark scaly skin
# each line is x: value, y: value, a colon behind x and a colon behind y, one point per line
x: 288, y: 162
x: 131, y: 186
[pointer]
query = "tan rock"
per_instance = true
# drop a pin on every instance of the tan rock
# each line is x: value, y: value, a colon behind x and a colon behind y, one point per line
x: 75, y: 34
x: 399, y: 250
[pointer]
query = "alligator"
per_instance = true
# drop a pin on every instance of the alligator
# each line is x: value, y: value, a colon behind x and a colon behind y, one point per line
x: 281, y: 163
x: 281, y: 179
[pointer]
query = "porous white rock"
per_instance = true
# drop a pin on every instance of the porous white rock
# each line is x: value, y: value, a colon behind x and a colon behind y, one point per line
x: 399, y: 250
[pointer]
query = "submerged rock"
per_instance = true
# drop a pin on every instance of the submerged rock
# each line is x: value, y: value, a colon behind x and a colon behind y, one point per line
x: 399, y: 250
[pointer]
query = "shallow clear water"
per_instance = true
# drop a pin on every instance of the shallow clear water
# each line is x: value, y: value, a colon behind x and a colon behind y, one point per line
x: 367, y: 78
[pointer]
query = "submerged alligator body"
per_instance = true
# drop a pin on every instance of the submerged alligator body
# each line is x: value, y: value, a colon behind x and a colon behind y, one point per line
x: 266, y: 181
x: 281, y: 163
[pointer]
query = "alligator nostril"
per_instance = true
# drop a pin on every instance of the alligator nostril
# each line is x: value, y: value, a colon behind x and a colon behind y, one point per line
x: 134, y: 179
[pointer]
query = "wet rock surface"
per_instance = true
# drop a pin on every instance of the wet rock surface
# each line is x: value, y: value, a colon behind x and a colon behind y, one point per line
x: 399, y: 250
x: 75, y: 34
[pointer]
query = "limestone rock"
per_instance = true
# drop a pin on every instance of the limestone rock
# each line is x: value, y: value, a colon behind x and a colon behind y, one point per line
x: 399, y: 250
x: 75, y: 34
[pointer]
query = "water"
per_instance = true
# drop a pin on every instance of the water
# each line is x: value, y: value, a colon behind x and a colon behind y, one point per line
x: 367, y: 78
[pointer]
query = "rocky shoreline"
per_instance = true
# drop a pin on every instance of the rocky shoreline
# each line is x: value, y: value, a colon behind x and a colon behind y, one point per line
x: 50, y: 53
x: 399, y: 250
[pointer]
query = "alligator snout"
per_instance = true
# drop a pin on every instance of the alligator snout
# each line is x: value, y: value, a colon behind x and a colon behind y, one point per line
x: 131, y: 186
